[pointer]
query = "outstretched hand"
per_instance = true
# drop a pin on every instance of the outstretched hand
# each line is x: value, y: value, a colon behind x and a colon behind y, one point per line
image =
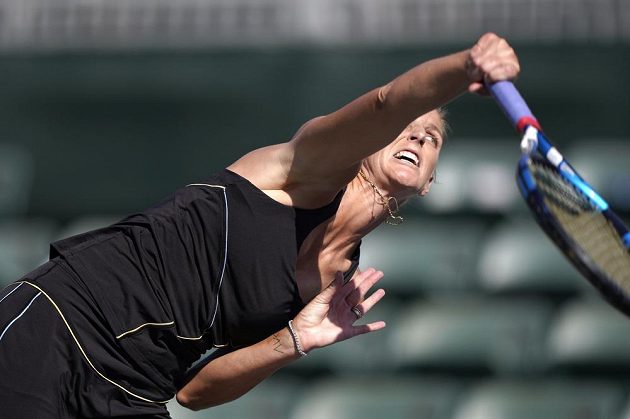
x: 491, y: 59
x: 329, y: 317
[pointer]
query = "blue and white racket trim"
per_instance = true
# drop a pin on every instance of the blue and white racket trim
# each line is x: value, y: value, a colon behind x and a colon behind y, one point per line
x: 522, y: 118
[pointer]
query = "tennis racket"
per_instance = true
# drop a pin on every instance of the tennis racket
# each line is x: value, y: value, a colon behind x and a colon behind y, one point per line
x: 574, y: 216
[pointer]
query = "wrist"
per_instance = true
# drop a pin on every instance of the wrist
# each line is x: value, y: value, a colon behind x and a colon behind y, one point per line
x: 307, y: 335
x: 297, y: 340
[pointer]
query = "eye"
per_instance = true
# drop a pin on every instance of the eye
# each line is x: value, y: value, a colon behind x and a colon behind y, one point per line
x: 431, y: 139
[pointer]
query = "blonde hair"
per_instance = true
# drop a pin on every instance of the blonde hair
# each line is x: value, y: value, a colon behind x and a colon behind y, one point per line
x: 446, y: 127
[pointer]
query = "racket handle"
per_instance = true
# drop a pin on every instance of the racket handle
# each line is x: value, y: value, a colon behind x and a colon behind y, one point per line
x: 513, y: 105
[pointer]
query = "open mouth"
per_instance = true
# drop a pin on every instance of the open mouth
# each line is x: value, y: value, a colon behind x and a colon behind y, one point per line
x: 408, y: 156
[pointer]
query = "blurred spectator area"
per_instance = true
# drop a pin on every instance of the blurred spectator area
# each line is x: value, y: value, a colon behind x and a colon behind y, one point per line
x: 192, y: 23
x: 107, y: 106
x: 97, y: 132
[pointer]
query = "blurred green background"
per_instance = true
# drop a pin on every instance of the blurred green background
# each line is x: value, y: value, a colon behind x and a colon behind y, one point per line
x: 118, y: 130
x: 108, y: 106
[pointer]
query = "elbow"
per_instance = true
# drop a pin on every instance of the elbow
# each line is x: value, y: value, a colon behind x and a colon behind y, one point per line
x: 189, y: 401
x: 186, y: 401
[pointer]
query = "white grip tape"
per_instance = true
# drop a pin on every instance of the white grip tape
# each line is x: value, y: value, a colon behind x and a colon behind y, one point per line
x: 554, y: 156
x: 529, y: 142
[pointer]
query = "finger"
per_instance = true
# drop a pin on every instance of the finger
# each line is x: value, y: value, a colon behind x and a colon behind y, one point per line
x: 497, y: 60
x: 502, y: 71
x: 499, y: 70
x: 367, y: 328
x: 477, y: 88
x: 327, y: 295
x: 371, y: 301
x: 358, y: 294
x: 490, y: 60
x: 475, y: 73
x: 356, y: 280
x: 482, y: 44
x: 484, y: 56
x: 482, y: 51
x: 498, y: 49
x: 487, y: 38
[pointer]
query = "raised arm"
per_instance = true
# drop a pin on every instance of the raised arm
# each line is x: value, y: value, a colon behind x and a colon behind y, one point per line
x: 325, y: 153
x: 325, y: 320
x: 342, y: 139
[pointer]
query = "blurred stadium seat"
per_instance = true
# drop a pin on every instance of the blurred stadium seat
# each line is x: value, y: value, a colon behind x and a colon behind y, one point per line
x: 588, y: 335
x: 374, y: 397
x: 24, y: 245
x: 421, y: 255
x: 517, y: 257
x: 542, y: 399
x: 626, y: 411
x: 160, y: 92
x: 604, y: 163
x: 472, y: 334
x: 16, y: 176
x: 470, y: 165
x: 272, y: 399
x: 62, y: 24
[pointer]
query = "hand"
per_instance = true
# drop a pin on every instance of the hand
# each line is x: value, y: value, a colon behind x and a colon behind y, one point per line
x: 491, y: 59
x: 329, y: 318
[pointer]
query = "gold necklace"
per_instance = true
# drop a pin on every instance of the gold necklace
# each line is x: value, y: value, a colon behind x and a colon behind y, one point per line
x: 394, y: 218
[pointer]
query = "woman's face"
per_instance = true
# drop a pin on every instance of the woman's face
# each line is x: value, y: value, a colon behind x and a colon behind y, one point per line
x: 406, y: 167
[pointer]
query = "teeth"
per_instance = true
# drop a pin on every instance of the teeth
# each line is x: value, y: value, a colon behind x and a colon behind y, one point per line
x: 407, y: 155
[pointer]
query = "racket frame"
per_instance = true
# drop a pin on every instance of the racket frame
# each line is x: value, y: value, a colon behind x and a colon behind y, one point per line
x: 537, y: 149
x: 534, y: 140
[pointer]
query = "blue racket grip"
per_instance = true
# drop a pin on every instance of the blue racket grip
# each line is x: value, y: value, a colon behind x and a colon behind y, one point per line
x: 513, y: 105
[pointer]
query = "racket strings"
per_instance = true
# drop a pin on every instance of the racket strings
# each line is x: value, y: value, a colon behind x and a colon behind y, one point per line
x: 594, y: 234
x: 562, y: 193
x: 586, y: 226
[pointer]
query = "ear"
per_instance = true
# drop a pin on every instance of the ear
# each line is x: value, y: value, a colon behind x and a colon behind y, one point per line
x: 426, y: 187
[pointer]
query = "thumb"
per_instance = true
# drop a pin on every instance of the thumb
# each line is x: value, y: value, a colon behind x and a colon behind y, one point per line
x: 478, y: 88
x: 327, y: 294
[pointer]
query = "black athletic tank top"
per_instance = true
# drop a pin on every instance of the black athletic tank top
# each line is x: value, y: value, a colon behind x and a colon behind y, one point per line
x: 213, y: 264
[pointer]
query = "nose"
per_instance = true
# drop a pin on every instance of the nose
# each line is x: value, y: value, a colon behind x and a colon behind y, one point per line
x: 417, y: 135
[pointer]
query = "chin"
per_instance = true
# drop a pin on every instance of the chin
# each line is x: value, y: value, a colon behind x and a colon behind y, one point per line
x: 406, y: 185
x: 407, y: 175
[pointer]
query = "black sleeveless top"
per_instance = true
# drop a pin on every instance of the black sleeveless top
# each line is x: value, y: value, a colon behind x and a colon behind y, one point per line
x: 213, y: 264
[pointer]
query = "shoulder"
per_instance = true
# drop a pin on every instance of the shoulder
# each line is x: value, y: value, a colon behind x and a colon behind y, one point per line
x: 265, y: 167
x: 290, y: 177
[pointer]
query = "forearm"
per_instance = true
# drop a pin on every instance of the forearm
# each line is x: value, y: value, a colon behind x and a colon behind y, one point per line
x: 425, y: 87
x: 333, y: 146
x: 341, y: 139
x: 234, y: 374
x: 383, y: 113
x: 325, y: 320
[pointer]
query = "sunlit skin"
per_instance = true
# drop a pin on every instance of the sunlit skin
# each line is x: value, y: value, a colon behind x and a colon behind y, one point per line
x: 371, y: 133
x: 399, y: 177
x: 402, y: 169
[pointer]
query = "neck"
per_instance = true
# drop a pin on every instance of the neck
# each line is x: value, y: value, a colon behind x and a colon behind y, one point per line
x: 388, y: 202
x: 359, y: 214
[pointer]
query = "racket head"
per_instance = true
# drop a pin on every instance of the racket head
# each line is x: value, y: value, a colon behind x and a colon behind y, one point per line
x: 592, y: 239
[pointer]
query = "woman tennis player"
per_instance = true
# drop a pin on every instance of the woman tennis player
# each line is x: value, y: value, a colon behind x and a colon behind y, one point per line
x: 248, y: 260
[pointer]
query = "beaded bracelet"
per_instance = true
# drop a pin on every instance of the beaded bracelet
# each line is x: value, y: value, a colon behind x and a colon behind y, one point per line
x: 296, y: 339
